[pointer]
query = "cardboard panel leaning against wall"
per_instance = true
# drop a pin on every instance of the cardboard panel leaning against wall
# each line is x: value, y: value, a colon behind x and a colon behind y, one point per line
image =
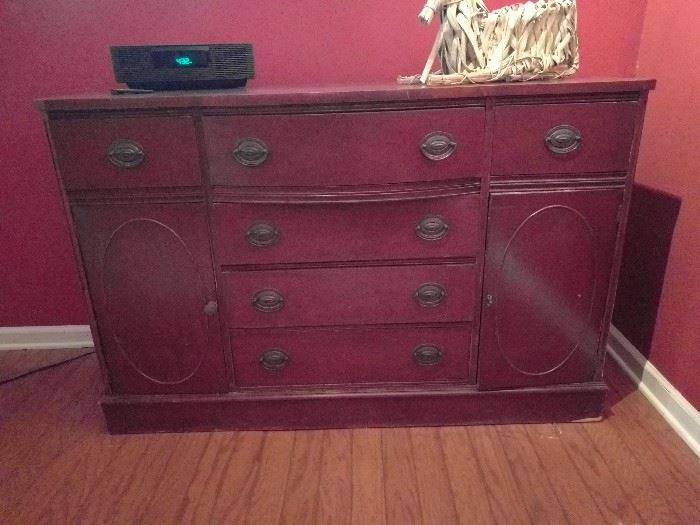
x: 61, y: 46
x: 650, y: 226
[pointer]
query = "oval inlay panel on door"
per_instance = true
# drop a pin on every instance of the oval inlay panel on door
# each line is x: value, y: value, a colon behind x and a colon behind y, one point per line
x: 155, y: 299
x: 541, y: 302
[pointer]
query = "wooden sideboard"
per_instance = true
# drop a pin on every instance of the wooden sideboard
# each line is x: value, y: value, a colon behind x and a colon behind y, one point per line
x: 356, y: 256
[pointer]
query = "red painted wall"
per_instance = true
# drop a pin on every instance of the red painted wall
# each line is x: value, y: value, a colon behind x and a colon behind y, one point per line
x: 53, y: 47
x: 669, y: 161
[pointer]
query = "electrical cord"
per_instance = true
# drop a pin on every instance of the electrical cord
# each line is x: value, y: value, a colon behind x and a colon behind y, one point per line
x: 42, y: 368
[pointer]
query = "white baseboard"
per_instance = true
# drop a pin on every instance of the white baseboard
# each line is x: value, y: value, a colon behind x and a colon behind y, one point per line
x: 45, y: 337
x: 669, y: 402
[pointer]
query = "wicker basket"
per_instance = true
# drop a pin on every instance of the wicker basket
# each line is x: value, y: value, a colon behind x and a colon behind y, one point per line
x: 533, y: 40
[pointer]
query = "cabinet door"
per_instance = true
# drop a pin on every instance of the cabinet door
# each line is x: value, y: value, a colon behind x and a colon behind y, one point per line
x: 549, y: 258
x: 150, y: 277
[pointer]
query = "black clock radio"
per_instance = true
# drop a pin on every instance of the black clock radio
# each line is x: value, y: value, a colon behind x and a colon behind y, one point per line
x: 173, y: 67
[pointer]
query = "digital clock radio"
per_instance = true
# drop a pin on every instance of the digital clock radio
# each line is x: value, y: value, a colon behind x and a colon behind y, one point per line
x: 173, y: 67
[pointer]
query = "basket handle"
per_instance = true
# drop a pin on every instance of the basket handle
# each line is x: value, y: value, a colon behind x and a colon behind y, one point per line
x: 431, y: 7
x: 434, y: 6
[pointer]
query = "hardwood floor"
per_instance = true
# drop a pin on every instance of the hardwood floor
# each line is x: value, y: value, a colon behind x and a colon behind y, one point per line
x: 58, y: 465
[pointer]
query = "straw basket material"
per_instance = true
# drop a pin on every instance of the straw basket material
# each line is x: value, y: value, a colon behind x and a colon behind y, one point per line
x: 533, y: 40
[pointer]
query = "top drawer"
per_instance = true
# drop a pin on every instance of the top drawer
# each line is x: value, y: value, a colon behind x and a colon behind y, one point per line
x: 345, y: 148
x: 563, y: 138
x: 126, y: 152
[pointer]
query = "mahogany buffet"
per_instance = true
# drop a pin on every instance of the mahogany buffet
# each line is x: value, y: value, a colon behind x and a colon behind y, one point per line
x: 342, y: 257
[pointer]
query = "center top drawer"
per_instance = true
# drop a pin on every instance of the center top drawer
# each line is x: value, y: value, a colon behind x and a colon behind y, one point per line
x: 328, y: 149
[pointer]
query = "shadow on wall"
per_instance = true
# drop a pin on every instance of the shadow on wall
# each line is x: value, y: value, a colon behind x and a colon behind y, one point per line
x: 650, y: 226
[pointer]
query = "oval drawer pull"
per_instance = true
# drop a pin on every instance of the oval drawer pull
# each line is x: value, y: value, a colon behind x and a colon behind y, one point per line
x: 426, y: 355
x: 432, y: 228
x: 262, y: 234
x: 438, y: 145
x: 563, y: 139
x: 430, y: 294
x: 268, y: 300
x: 250, y: 151
x: 126, y: 153
x: 274, y: 359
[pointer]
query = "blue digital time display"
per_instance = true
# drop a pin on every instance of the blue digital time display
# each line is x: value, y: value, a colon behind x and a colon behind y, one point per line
x: 180, y: 57
x: 184, y: 61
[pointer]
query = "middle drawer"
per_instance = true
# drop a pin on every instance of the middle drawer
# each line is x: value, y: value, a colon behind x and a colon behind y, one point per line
x: 320, y: 232
x: 346, y: 296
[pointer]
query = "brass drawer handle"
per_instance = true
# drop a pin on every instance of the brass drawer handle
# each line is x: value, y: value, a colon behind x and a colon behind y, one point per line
x: 274, y: 359
x: 430, y: 294
x: 563, y: 139
x: 250, y: 152
x: 432, y: 228
x: 426, y: 355
x: 126, y: 153
x: 268, y: 300
x: 438, y: 145
x: 262, y: 234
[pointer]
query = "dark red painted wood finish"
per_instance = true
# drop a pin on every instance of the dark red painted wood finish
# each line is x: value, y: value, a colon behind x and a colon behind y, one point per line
x: 169, y: 145
x: 607, y: 132
x: 333, y: 408
x: 291, y: 98
x: 350, y: 355
x: 149, y: 272
x: 347, y: 231
x: 353, y: 295
x: 344, y: 184
x: 345, y: 148
x: 548, y: 264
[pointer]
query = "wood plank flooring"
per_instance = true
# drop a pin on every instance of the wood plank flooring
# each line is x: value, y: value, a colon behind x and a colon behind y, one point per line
x: 58, y: 465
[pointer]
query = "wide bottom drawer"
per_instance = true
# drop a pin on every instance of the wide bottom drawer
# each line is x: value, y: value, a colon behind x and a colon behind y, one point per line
x: 281, y: 357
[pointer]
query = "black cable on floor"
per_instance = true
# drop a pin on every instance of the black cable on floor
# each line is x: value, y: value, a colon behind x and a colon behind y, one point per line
x: 42, y: 368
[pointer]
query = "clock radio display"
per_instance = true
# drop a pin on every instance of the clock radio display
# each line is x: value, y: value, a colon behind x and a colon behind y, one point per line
x: 180, y: 58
